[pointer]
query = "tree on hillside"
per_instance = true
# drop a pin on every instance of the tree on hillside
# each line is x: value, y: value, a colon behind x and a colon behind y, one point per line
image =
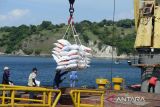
x: 107, y: 31
x: 23, y: 30
x: 126, y: 23
x: 11, y: 38
x: 126, y: 44
x: 38, y: 51
x: 85, y: 25
x: 46, y: 25
x: 33, y: 29
x: 5, y: 29
x: 78, y: 27
x: 86, y: 22
x: 85, y: 38
x: 15, y: 36
x: 96, y: 30
x: 105, y: 23
x: 28, y: 51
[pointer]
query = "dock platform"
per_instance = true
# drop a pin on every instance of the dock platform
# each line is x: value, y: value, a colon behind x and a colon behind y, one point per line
x: 110, y: 100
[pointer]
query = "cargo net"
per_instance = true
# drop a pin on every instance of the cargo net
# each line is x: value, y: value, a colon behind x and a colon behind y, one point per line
x: 71, y: 56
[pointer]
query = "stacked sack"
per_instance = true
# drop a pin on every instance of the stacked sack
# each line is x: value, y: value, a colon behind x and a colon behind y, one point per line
x: 71, y: 56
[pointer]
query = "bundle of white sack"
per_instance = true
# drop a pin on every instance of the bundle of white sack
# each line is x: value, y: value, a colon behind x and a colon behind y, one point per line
x: 71, y: 56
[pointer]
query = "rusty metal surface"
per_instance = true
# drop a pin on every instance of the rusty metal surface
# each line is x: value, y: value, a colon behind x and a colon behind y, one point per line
x: 151, y: 100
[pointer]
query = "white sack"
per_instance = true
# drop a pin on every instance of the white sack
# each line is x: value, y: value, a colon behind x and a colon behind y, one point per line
x: 74, y: 47
x: 55, y: 52
x: 61, y: 67
x: 64, y: 58
x: 58, y: 45
x: 63, y: 63
x: 72, y: 61
x: 72, y: 52
x: 63, y: 53
x: 75, y: 57
x: 63, y: 42
x: 57, y: 49
x: 71, y: 66
x: 56, y: 58
x: 66, y: 48
x: 84, y: 62
x: 71, y: 57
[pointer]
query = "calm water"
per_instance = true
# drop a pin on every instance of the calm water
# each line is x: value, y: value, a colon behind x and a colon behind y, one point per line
x: 22, y: 66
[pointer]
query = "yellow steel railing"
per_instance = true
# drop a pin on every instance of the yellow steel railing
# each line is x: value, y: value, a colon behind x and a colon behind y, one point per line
x: 76, y: 97
x: 45, y: 101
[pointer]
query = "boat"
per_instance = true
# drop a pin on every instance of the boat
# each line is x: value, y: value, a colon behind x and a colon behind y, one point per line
x: 135, y: 87
x: 117, y: 62
x: 129, y: 62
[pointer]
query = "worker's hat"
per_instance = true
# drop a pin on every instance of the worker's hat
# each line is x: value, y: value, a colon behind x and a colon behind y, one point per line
x: 6, y: 68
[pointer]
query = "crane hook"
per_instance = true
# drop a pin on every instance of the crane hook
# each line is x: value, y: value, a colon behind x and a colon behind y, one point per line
x: 71, y: 10
x: 71, y: 1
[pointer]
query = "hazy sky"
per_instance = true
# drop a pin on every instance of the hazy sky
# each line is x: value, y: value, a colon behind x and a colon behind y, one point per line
x: 17, y: 12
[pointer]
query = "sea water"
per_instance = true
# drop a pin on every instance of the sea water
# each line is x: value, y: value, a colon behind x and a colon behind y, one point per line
x: 20, y: 68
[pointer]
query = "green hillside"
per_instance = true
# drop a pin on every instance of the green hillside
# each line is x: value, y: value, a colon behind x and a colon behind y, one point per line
x: 39, y: 39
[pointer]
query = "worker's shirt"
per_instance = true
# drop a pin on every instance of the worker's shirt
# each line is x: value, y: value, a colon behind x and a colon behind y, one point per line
x: 5, y: 79
x: 30, y: 79
x: 153, y: 80
x: 73, y: 76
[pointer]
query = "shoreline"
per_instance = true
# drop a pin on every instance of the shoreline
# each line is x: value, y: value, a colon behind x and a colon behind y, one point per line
x: 48, y: 55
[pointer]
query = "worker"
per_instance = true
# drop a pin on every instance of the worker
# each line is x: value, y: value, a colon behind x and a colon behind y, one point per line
x: 32, y: 78
x: 6, y: 81
x: 32, y: 81
x: 6, y: 75
x: 73, y: 79
x: 58, y: 78
x: 152, y: 83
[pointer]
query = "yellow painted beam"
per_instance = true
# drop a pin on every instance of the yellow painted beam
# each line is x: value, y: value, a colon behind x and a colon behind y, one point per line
x: 12, y: 98
x: 28, y: 105
x: 156, y: 40
x: 57, y: 99
x: 44, y: 91
x: 144, y: 33
x: 136, y: 12
x: 75, y: 96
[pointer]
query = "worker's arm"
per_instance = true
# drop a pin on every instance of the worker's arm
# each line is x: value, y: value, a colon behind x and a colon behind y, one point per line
x: 6, y: 78
x: 65, y: 72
